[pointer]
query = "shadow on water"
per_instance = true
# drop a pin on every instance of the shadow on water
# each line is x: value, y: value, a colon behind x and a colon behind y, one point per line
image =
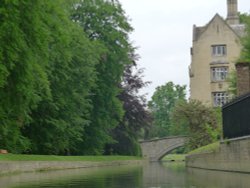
x: 217, y: 179
x: 150, y: 175
x: 176, y: 175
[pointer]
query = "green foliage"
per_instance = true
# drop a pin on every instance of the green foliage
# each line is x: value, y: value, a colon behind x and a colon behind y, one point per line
x: 207, y: 148
x: 219, y: 132
x: 203, y: 122
x: 47, y: 73
x: 245, y: 52
x: 244, y: 56
x: 105, y: 23
x: 244, y: 18
x: 59, y: 121
x: 232, y: 79
x: 163, y: 101
x: 136, y: 119
x: 23, y: 80
x: 61, y: 68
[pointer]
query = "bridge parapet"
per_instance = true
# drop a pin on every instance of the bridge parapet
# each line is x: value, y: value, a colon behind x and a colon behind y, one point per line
x: 156, y: 149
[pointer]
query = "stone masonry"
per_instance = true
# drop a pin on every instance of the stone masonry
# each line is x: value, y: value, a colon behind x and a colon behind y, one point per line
x: 243, y: 78
x: 155, y: 150
x: 232, y: 155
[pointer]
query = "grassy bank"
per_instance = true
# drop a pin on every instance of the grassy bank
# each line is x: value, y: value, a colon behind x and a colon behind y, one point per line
x: 19, y: 157
x: 206, y: 149
x: 181, y: 157
x: 171, y: 157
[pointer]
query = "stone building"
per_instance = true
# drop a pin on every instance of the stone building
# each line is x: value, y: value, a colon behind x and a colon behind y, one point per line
x: 216, y: 48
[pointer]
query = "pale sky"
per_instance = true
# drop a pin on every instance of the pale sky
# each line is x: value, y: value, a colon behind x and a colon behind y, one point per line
x: 163, y: 35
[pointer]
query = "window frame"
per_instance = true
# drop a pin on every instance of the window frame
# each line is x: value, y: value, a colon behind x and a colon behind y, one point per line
x: 220, y: 98
x: 219, y: 74
x: 219, y: 50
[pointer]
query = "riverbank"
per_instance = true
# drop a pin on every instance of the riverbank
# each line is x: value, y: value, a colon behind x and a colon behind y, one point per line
x: 21, y: 157
x: 10, y: 163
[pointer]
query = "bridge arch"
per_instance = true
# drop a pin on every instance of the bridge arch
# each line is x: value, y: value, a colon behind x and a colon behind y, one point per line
x: 156, y: 149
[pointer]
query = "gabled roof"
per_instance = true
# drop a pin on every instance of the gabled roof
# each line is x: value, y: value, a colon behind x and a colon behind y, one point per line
x: 237, y: 29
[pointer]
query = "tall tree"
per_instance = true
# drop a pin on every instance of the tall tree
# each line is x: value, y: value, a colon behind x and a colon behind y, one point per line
x: 137, y: 119
x: 245, y: 53
x: 161, y: 105
x: 105, y: 22
x: 23, y: 78
x: 61, y: 73
x: 59, y: 120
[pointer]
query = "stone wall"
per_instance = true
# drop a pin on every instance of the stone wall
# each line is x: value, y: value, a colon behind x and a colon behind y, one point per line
x: 233, y: 155
x: 243, y: 78
x: 7, y: 167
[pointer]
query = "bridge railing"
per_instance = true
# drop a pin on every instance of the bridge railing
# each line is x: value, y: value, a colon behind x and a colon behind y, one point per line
x: 163, y: 138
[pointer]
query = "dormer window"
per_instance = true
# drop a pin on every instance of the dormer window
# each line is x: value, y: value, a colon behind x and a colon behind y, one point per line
x: 219, y: 50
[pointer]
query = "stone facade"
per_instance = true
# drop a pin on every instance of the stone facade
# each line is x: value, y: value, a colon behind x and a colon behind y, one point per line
x: 216, y: 47
x: 232, y: 155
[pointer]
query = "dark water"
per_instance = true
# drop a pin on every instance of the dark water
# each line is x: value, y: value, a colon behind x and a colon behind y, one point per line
x: 152, y: 175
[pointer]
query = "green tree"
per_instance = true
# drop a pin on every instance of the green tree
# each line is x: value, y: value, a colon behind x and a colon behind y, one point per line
x: 244, y: 56
x: 105, y: 22
x: 59, y: 121
x: 161, y: 105
x: 23, y: 78
x: 245, y: 52
x: 202, y: 122
x: 244, y: 18
x: 62, y: 64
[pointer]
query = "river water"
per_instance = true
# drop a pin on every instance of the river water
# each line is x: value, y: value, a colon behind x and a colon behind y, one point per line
x: 152, y: 175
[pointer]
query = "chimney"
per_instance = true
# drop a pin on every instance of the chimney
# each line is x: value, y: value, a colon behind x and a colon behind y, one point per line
x: 243, y: 78
x: 232, y: 12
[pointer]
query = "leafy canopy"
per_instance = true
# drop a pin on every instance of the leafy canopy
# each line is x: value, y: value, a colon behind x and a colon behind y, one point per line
x: 161, y: 106
x: 203, y: 123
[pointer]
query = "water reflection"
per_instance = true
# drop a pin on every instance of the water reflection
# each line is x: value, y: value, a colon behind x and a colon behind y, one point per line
x: 122, y: 176
x: 150, y: 175
x: 164, y: 175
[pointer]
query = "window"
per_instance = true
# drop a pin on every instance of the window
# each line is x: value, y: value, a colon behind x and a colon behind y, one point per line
x: 219, y: 50
x: 219, y: 73
x: 220, y: 98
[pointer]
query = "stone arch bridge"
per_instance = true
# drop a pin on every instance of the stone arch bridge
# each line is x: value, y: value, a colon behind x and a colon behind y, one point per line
x: 156, y: 149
